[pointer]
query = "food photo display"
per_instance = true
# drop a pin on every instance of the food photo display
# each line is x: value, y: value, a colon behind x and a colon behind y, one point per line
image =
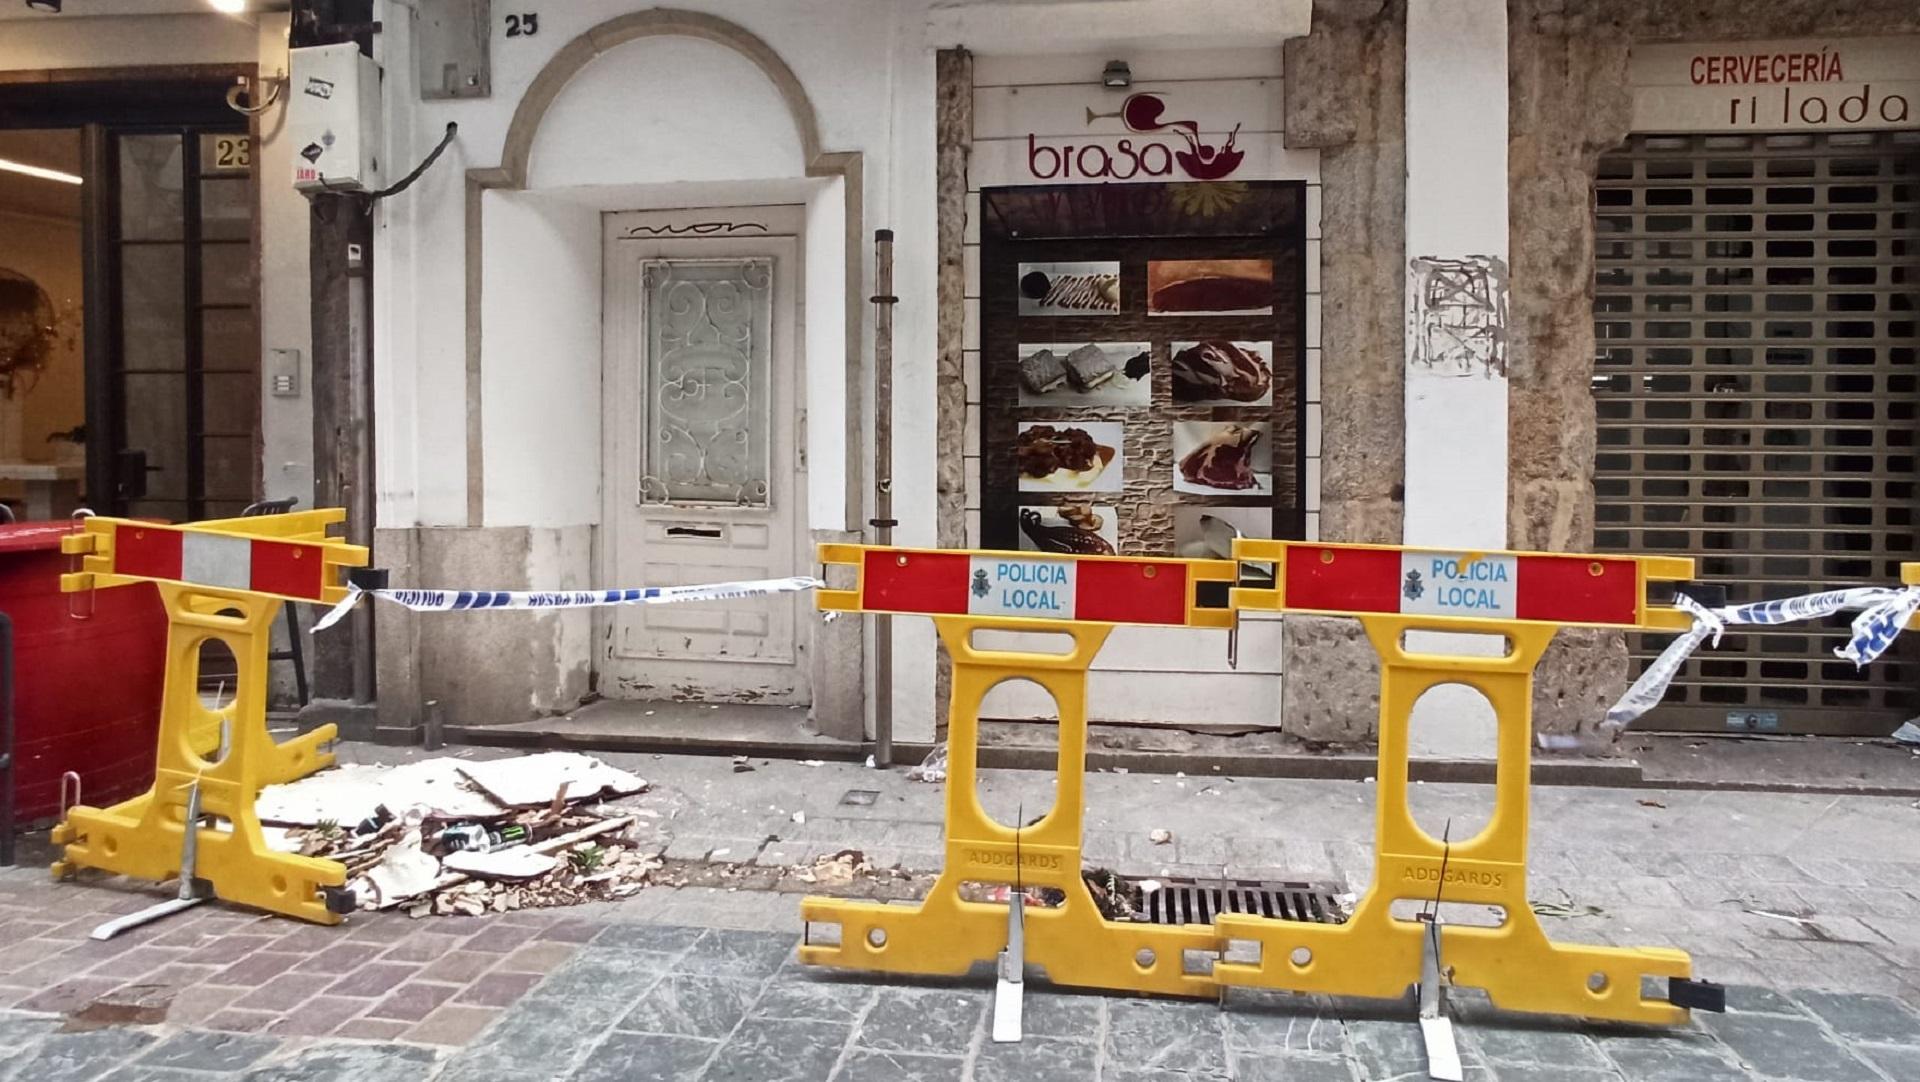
x: 1210, y: 287
x: 1086, y: 374
x: 1222, y: 373
x: 1077, y: 529
x: 1069, y: 456
x: 1069, y: 289
x: 1213, y: 458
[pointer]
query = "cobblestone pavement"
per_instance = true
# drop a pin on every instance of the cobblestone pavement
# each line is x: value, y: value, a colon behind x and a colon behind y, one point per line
x: 1808, y: 905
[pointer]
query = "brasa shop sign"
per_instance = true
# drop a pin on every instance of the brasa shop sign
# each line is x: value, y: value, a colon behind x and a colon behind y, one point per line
x: 1813, y: 85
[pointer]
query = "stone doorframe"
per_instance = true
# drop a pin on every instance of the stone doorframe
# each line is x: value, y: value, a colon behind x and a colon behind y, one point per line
x: 839, y: 705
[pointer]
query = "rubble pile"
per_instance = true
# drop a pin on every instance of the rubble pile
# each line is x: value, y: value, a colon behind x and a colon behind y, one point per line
x: 442, y: 837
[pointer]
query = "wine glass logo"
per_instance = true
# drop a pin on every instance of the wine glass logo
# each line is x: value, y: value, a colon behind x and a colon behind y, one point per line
x: 1144, y: 114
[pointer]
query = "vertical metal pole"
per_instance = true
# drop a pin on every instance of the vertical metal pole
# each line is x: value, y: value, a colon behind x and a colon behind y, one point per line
x: 359, y: 474
x: 6, y: 741
x: 882, y: 522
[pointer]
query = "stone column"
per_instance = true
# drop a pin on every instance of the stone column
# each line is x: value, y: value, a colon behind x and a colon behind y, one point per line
x: 953, y: 143
x: 1344, y: 98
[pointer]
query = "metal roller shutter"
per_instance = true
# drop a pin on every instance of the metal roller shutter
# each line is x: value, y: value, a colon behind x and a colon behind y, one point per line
x: 1755, y: 382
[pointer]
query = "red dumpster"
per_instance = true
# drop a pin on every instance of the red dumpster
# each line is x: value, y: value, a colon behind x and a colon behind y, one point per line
x: 87, y: 691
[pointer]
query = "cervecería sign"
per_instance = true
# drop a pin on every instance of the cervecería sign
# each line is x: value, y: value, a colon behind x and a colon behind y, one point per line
x: 1841, y: 83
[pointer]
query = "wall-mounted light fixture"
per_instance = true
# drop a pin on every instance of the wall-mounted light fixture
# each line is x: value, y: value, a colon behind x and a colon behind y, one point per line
x: 51, y: 7
x: 24, y: 169
x: 228, y: 7
x: 1117, y: 75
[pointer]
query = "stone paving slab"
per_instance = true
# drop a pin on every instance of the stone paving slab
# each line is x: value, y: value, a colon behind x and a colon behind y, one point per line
x: 648, y: 1001
x: 1808, y: 903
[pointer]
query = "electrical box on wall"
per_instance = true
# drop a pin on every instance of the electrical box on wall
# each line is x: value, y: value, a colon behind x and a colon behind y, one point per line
x: 333, y: 118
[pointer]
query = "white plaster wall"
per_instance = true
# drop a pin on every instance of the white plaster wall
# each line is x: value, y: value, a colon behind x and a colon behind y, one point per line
x: 1456, y: 426
x: 286, y: 311
x: 540, y: 361
x: 909, y: 208
x: 666, y: 110
x: 725, y: 138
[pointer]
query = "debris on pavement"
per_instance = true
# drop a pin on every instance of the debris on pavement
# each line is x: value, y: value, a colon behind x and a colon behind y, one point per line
x: 933, y: 767
x: 740, y: 765
x: 1908, y: 732
x: 1565, y: 908
x: 534, y: 779
x: 454, y: 836
x: 516, y: 862
x: 837, y: 869
x: 1110, y: 894
x: 1160, y: 836
x: 1650, y: 804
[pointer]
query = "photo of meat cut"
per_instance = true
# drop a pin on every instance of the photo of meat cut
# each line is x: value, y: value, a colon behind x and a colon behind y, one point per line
x: 1218, y: 459
x: 1220, y: 373
x: 1184, y: 287
x: 1074, y: 530
x: 1085, y: 374
x: 1055, y: 456
x: 1069, y: 289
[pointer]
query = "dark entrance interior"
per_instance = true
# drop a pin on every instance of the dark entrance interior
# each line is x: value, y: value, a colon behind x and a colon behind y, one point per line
x: 129, y: 278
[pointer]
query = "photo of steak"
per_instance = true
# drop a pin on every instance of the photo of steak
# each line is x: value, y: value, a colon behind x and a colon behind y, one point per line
x: 1220, y: 370
x: 1224, y: 461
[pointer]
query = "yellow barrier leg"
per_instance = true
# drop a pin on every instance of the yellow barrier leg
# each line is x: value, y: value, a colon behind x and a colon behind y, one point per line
x: 1375, y: 954
x: 948, y: 935
x: 143, y: 837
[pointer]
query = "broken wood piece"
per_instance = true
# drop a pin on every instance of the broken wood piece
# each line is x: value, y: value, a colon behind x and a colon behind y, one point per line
x: 551, y: 845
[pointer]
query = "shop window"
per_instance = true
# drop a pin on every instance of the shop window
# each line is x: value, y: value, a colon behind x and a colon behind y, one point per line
x: 1142, y: 367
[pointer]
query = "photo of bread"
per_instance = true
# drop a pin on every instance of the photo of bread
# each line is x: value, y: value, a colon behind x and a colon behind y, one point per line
x: 1069, y: 289
x: 1073, y: 530
x: 1222, y: 459
x: 1054, y: 456
x: 1085, y: 374
x: 1219, y: 373
x: 1183, y: 287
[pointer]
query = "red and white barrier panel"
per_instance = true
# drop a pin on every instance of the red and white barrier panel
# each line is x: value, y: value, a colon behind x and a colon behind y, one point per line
x: 1364, y: 579
x: 1092, y: 589
x: 296, y: 569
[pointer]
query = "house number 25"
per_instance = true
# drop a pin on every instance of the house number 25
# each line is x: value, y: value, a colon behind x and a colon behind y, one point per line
x: 523, y: 26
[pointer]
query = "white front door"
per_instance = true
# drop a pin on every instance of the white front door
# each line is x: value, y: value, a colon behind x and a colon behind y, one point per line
x: 703, y: 481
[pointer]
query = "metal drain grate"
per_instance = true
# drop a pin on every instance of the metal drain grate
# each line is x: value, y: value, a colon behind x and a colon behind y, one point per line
x: 1198, y: 901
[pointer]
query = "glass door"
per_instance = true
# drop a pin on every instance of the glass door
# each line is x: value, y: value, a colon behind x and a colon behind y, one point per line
x: 184, y: 384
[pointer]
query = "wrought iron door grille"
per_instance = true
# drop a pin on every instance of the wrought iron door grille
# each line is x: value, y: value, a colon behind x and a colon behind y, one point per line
x: 1755, y: 382
x: 1191, y: 901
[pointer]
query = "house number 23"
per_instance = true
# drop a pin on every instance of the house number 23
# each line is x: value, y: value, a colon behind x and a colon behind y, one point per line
x: 523, y: 26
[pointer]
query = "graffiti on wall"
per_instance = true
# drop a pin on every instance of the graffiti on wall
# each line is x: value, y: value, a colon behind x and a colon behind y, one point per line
x: 1458, y: 326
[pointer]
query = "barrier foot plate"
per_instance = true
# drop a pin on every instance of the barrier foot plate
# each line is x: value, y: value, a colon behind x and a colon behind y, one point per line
x: 1013, y: 970
x: 146, y: 916
x: 1697, y: 995
x: 1436, y: 1029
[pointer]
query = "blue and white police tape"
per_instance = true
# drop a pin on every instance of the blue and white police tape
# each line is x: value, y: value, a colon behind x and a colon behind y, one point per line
x: 467, y: 600
x: 1884, y: 611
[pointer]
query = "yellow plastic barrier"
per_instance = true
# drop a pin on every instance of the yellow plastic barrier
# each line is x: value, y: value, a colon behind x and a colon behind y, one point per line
x: 1521, y: 597
x: 223, y: 581
x: 1082, y: 597
x: 1524, y: 598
